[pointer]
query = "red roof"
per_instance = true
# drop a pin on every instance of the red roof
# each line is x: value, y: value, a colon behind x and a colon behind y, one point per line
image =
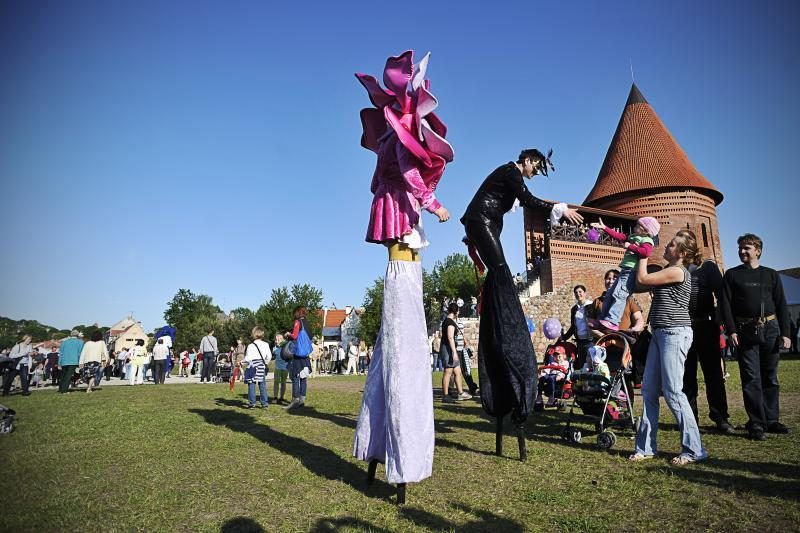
x: 644, y: 156
x: 334, y: 318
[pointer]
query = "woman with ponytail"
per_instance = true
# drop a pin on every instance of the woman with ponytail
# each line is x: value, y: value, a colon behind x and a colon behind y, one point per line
x: 672, y: 337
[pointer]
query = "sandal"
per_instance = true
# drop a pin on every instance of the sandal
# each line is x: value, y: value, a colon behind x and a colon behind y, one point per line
x: 685, y: 459
x: 637, y: 457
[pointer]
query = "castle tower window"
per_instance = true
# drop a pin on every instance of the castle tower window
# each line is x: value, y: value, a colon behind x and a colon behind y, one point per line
x: 705, y: 234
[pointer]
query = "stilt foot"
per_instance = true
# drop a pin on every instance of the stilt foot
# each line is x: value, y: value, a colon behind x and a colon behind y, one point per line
x: 373, y: 466
x: 401, y: 494
x: 523, y: 451
x: 498, y: 439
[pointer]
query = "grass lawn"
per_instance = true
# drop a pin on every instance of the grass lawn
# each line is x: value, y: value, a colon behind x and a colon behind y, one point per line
x: 190, y: 458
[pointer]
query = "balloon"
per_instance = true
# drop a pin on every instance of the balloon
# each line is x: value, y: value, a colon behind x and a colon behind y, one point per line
x: 552, y: 328
x: 593, y: 235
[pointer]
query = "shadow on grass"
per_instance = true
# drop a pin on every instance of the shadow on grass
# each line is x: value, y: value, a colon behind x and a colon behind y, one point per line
x: 721, y: 473
x: 485, y: 521
x: 340, y: 419
x: 318, y: 460
x: 241, y: 524
x: 345, y: 523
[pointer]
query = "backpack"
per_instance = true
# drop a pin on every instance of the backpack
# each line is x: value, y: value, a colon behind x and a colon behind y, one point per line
x: 303, y: 344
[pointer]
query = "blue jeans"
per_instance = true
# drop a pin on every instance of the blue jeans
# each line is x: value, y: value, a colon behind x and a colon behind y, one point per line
x: 298, y: 385
x: 664, y: 373
x: 262, y: 390
x: 437, y: 362
x: 614, y: 302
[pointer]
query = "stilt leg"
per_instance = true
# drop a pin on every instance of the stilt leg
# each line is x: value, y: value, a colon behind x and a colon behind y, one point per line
x: 523, y: 451
x: 498, y: 439
x: 401, y: 493
x: 373, y: 466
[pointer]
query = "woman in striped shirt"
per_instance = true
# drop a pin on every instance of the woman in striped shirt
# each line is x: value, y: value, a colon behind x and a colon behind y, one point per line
x: 672, y: 337
x: 257, y: 356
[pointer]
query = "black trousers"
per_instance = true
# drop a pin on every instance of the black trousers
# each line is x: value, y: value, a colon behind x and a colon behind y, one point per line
x: 758, y: 368
x: 506, y: 360
x: 159, y: 367
x: 208, y: 366
x: 12, y: 373
x: 705, y: 349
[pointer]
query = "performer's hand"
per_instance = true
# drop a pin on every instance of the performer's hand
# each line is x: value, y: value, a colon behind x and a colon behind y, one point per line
x: 573, y: 216
x: 735, y: 340
x: 787, y: 343
x: 442, y: 213
x: 598, y: 225
x: 626, y: 244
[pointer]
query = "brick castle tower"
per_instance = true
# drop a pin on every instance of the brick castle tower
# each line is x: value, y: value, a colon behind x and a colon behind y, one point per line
x: 645, y: 173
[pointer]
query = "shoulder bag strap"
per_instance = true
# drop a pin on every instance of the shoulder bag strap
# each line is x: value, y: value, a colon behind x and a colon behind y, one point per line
x: 259, y: 353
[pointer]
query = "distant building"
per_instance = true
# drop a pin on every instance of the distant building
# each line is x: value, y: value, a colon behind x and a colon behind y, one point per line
x: 340, y: 325
x: 125, y: 333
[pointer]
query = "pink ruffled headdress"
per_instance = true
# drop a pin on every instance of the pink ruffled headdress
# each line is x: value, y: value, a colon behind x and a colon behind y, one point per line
x: 406, y: 106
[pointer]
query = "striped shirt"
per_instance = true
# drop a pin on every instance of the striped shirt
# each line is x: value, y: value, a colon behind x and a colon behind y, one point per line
x: 670, y: 306
x: 253, y: 356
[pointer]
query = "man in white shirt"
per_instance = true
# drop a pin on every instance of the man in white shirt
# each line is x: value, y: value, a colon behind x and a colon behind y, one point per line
x: 20, y: 365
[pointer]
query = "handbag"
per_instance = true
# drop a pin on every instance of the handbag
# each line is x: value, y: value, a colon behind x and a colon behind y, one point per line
x: 754, y: 331
x: 287, y: 351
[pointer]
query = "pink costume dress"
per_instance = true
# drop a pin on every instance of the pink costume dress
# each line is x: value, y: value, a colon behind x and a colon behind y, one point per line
x: 395, y: 424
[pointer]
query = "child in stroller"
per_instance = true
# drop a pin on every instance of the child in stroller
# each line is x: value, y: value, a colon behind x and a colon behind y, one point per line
x: 224, y: 369
x: 601, y: 392
x: 554, y: 375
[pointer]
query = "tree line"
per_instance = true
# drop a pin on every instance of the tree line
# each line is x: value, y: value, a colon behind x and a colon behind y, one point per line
x: 451, y: 278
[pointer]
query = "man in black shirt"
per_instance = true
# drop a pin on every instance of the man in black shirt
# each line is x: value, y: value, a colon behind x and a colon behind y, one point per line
x: 757, y: 322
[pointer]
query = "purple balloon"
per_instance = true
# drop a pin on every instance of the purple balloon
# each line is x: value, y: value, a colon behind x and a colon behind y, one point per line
x: 593, y: 235
x: 552, y: 328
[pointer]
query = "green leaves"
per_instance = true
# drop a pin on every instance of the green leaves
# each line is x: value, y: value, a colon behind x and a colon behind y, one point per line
x: 453, y: 277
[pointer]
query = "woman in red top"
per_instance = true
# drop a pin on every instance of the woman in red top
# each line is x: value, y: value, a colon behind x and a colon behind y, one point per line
x: 299, y: 362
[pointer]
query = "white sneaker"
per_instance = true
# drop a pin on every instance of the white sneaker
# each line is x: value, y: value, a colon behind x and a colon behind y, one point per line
x: 464, y: 396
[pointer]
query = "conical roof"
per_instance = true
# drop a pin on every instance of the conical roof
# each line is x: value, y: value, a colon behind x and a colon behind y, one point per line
x: 644, y: 156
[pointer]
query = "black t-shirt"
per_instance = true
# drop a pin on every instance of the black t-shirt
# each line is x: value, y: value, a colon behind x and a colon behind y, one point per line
x: 445, y: 340
x: 742, y: 294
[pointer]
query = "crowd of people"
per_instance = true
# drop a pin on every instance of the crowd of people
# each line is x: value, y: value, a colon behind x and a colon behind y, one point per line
x: 698, y: 317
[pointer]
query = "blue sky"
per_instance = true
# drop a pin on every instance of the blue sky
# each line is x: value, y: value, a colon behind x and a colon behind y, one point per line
x: 214, y: 146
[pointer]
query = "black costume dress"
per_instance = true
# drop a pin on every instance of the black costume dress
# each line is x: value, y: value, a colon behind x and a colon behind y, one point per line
x: 507, y: 366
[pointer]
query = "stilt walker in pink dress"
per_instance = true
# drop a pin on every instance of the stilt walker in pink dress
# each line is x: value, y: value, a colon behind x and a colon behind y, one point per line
x: 395, y: 425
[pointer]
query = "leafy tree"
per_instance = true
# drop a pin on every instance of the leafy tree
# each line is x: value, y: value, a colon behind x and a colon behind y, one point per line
x: 239, y: 326
x: 453, y: 277
x: 191, y: 315
x: 276, y: 315
x: 370, y: 323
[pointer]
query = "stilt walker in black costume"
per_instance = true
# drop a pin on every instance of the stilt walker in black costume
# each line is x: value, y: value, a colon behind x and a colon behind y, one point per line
x: 507, y: 363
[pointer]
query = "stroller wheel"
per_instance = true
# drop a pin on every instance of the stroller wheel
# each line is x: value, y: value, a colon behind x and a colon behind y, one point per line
x: 565, y: 434
x: 538, y: 407
x: 576, y: 435
x: 606, y: 440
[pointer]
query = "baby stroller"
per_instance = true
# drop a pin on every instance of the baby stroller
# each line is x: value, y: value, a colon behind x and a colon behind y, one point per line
x: 563, y: 388
x: 605, y: 401
x: 224, y: 369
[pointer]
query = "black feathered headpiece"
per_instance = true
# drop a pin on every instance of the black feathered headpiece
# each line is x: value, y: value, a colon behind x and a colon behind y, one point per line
x: 535, y: 155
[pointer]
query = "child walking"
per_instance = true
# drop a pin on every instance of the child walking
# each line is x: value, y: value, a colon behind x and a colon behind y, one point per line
x: 637, y: 246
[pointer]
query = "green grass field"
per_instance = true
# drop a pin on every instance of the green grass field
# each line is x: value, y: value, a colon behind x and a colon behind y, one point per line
x: 190, y: 458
